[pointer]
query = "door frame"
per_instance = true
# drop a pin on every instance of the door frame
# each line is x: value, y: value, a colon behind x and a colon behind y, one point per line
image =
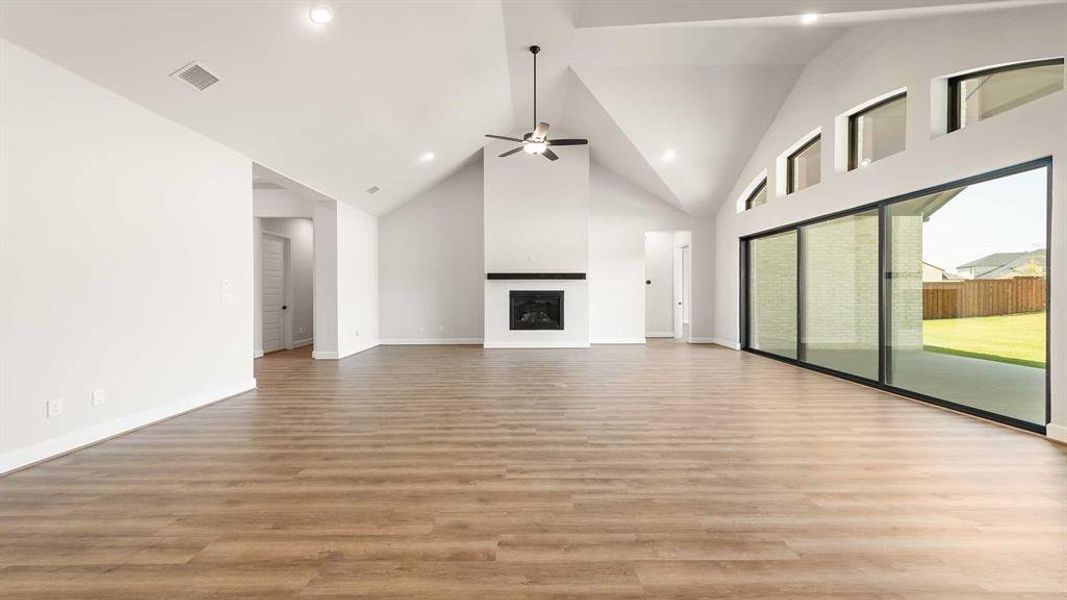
x: 287, y: 312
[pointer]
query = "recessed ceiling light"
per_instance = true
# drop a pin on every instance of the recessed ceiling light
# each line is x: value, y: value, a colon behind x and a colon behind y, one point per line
x: 320, y: 15
x: 809, y: 18
x: 669, y: 155
x: 426, y: 157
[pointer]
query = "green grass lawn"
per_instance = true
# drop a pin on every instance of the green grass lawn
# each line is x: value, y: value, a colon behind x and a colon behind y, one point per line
x: 1016, y: 339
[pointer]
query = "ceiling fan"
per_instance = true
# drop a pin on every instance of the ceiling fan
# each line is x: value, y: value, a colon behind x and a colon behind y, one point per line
x: 537, y: 141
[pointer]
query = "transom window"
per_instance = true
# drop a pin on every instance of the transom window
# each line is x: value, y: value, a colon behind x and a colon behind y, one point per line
x: 758, y: 195
x: 877, y: 131
x: 802, y: 167
x: 979, y: 95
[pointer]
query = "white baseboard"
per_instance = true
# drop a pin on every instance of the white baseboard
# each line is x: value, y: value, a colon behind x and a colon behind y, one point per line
x: 621, y: 340
x: 330, y: 355
x: 659, y: 334
x: 432, y: 342
x: 22, y: 457
x: 717, y: 341
x: 258, y: 353
x: 301, y: 343
x: 1056, y: 432
x: 536, y: 345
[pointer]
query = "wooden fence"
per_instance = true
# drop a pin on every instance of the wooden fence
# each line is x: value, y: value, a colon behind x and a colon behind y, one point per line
x: 983, y: 297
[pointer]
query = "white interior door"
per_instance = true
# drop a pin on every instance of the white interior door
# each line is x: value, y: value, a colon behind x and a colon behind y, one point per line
x: 275, y: 271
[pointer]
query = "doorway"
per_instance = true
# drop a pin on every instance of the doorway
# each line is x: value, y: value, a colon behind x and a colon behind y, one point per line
x: 285, y: 280
x: 681, y: 290
x: 667, y: 284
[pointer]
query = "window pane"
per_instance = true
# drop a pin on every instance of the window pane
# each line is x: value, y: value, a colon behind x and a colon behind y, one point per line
x: 987, y: 95
x: 759, y: 195
x: 804, y: 167
x: 880, y: 132
x: 772, y: 294
x: 840, y: 294
x: 967, y: 295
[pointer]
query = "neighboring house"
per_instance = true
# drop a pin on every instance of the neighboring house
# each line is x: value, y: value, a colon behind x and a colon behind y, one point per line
x: 932, y: 273
x: 1005, y: 265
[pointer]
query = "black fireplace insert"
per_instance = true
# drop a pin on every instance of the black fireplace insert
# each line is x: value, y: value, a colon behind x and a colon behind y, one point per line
x: 536, y: 309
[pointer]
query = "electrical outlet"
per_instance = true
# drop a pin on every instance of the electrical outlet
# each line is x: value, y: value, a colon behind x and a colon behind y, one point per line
x: 55, y: 407
x: 99, y: 397
x: 440, y: 329
x: 422, y: 329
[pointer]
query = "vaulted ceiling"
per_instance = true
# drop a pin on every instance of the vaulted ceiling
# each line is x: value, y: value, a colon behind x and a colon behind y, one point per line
x: 360, y: 102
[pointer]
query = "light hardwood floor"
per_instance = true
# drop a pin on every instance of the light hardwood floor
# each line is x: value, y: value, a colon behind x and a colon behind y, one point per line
x: 664, y: 471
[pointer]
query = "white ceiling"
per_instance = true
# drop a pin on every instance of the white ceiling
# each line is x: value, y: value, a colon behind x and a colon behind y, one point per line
x: 353, y: 104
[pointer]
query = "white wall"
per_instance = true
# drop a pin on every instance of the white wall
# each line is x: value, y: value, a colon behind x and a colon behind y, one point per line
x: 659, y: 295
x: 345, y: 296
x: 281, y: 204
x: 357, y: 280
x: 620, y: 215
x: 536, y: 211
x: 872, y: 61
x: 536, y: 221
x: 301, y: 236
x: 432, y: 264
x: 326, y: 262
x: 125, y: 265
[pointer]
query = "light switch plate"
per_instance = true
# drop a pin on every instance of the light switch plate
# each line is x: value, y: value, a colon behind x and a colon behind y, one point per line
x: 99, y: 397
x: 55, y: 407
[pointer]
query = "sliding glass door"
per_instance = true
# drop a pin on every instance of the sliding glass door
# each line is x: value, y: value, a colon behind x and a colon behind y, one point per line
x: 772, y: 292
x: 839, y: 291
x: 966, y: 299
x: 940, y: 295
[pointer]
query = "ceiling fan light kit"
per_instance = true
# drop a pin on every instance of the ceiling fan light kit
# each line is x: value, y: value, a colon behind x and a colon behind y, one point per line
x: 537, y: 141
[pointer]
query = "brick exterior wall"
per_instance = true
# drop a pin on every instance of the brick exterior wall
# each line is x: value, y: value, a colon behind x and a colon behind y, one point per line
x: 840, y: 260
x: 773, y: 294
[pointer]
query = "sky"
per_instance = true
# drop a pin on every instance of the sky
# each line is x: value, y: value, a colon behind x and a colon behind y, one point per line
x: 1002, y: 215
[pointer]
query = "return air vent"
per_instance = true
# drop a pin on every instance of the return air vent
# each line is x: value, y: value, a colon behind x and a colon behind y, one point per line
x: 373, y: 189
x: 196, y: 76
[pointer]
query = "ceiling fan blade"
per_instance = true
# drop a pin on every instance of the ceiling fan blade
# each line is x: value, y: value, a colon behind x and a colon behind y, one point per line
x: 550, y: 155
x: 541, y: 130
x: 502, y: 137
x: 574, y: 142
x: 510, y: 152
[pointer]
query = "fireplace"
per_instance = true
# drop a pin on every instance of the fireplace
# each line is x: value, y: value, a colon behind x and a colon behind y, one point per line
x: 536, y: 310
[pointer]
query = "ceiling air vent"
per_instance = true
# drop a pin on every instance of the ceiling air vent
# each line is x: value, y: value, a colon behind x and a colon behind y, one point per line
x: 373, y: 189
x: 195, y: 75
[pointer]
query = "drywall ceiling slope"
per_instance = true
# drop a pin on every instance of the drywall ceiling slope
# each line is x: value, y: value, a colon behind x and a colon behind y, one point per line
x: 709, y: 118
x: 611, y: 148
x: 562, y: 97
x: 645, y: 12
x: 340, y: 108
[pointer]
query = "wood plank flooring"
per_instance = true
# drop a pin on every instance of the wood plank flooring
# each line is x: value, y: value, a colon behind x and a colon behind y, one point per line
x: 621, y: 472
